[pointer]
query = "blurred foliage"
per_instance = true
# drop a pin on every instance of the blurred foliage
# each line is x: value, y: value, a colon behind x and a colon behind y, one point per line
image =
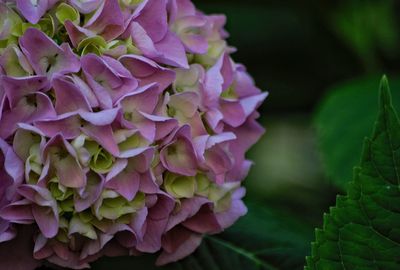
x: 369, y: 28
x: 287, y: 173
x: 362, y: 230
x: 344, y: 119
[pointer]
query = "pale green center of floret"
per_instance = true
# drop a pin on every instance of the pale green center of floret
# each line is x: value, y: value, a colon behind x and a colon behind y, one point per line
x: 114, y: 206
x: 91, y: 154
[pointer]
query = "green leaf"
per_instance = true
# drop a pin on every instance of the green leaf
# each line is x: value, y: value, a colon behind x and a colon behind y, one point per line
x: 343, y: 120
x: 363, y: 230
x: 263, y: 239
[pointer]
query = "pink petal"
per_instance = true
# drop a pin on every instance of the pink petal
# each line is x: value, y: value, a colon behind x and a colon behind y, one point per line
x: 67, y: 167
x: 153, y: 18
x: 126, y: 183
x: 107, y: 20
x: 32, y: 12
x: 181, y: 243
x: 179, y: 155
x: 46, y: 219
x: 68, y: 97
x: 148, y: 71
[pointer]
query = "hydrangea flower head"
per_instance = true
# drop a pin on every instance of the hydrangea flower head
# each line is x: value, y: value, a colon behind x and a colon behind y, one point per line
x: 123, y: 129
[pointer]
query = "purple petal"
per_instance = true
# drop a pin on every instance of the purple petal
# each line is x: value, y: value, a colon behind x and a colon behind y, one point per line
x: 204, y: 221
x: 147, y: 183
x: 86, y: 91
x: 214, y: 119
x: 164, y: 125
x: 31, y: 11
x: 148, y: 71
x: 6, y: 233
x: 156, y: 224
x: 107, y: 21
x: 179, y: 155
x: 237, y: 210
x: 68, y: 97
x: 143, y: 99
x: 153, y: 18
x: 101, y: 118
x: 125, y: 183
x: 17, y: 88
x: 103, y: 135
x: 191, y: 29
x: 172, y: 51
x: 29, y: 109
x: 244, y: 84
x: 45, y: 56
x: 85, y: 7
x: 19, y: 212
x: 247, y: 134
x: 183, y: 8
x: 180, y: 243
x: 188, y: 208
x: 87, y: 195
x: 142, y: 40
x: 68, y: 125
x: 63, y: 158
x: 12, y: 165
x: 250, y: 104
x: 108, y: 78
x: 46, y: 219
x: 233, y: 112
x: 76, y: 33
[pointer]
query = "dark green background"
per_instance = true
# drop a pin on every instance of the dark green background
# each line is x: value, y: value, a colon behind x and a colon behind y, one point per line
x: 298, y: 51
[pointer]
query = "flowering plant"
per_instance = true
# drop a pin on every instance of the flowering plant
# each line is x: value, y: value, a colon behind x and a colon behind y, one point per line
x: 123, y: 130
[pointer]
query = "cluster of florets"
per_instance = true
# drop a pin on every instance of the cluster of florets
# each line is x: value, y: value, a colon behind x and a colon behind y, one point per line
x: 123, y: 128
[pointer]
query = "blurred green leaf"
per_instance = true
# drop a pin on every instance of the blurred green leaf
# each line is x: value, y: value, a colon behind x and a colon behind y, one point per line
x: 362, y: 230
x: 343, y: 120
x: 274, y: 236
x: 263, y: 239
x: 368, y: 27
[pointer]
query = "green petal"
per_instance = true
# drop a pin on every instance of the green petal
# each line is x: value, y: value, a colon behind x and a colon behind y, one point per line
x: 13, y: 19
x: 25, y: 26
x: 92, y: 45
x: 132, y: 142
x: 62, y: 236
x: 221, y: 196
x: 76, y: 225
x: 47, y: 25
x: 180, y: 186
x: 67, y: 206
x: 66, y: 12
x: 101, y: 161
x: 203, y: 185
x: 215, y: 49
x: 131, y: 48
x: 131, y: 2
x: 12, y: 65
x: 229, y: 93
x: 116, y: 207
